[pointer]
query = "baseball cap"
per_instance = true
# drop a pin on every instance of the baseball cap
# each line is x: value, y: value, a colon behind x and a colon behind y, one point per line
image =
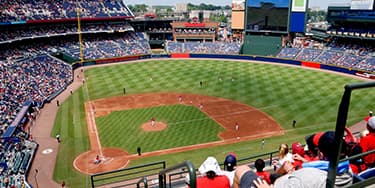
x: 371, y: 122
x: 230, y: 162
x: 312, y: 141
x: 210, y: 164
x: 298, y: 148
x: 247, y: 179
x: 303, y: 178
x: 317, y: 137
x: 327, y: 142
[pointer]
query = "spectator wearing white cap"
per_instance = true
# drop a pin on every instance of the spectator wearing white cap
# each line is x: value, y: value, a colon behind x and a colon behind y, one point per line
x: 212, y: 176
x: 368, y: 143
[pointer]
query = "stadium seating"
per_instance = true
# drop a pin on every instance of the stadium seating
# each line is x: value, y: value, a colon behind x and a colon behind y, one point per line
x: 14, y: 11
x: 289, y: 53
x: 367, y: 64
x: 15, y: 160
x: 204, y: 47
x: 349, y: 60
x: 11, y: 34
x: 22, y: 81
x: 109, y: 46
x: 338, y: 53
x: 329, y: 56
x: 308, y: 54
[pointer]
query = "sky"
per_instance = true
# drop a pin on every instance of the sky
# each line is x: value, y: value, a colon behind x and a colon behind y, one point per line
x: 312, y: 3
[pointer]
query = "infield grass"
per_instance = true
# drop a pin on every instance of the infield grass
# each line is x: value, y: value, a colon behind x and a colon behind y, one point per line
x: 186, y: 126
x: 285, y: 93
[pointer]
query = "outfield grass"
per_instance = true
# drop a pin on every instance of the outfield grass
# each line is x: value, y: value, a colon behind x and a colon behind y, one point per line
x: 285, y: 93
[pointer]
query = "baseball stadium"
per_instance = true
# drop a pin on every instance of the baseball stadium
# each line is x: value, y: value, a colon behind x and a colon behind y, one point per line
x: 106, y: 94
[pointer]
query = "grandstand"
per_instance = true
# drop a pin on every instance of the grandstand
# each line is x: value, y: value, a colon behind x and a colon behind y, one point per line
x: 40, y: 50
x: 33, y: 34
x: 23, y: 11
x: 204, y: 47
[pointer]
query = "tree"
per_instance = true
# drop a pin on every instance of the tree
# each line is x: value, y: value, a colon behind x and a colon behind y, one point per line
x: 316, y: 16
x: 204, y: 6
x: 138, y: 8
x: 219, y: 17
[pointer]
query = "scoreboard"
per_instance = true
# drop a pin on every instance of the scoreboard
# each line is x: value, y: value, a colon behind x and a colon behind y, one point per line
x: 278, y: 16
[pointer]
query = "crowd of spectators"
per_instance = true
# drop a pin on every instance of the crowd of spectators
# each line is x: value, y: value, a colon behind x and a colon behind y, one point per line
x: 32, y: 31
x: 308, y: 54
x: 338, y: 53
x: 204, y: 47
x: 108, y: 46
x: 349, y: 31
x: 159, y: 30
x: 32, y: 79
x: 349, y: 60
x: 200, y: 31
x: 368, y: 64
x: 349, y: 47
x: 95, y: 46
x: 15, y: 159
x: 329, y: 56
x: 299, y: 165
x: 289, y: 53
x: 16, y: 10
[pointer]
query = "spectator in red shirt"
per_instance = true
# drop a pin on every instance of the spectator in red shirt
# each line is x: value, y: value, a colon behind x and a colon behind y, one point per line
x: 357, y: 165
x: 212, y: 176
x: 367, y: 143
x: 297, y: 148
x: 312, y: 144
x: 369, y: 116
x: 259, y: 165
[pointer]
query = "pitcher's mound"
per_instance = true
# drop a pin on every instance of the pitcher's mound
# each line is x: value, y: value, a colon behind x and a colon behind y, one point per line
x: 159, y: 126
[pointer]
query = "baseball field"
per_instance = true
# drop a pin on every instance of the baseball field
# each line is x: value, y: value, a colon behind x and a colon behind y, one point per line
x: 281, y: 93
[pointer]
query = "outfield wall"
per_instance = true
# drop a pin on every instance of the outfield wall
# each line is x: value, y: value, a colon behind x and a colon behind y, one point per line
x: 314, y: 65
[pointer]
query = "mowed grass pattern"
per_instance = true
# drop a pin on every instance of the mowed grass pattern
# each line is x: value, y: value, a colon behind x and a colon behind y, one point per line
x: 186, y: 126
x: 285, y: 93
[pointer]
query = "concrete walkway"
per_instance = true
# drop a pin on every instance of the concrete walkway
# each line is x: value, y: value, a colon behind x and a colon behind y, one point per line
x: 41, y: 131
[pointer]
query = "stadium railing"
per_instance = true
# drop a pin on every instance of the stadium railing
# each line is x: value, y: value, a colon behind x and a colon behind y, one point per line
x: 137, y: 172
x: 125, y: 177
x: 190, y: 170
x: 339, y: 133
x: 144, y: 181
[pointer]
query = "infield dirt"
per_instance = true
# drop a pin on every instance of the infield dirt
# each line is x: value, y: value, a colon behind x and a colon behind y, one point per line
x: 253, y: 124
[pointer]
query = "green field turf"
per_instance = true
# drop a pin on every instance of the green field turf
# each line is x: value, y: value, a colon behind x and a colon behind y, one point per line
x: 285, y: 93
x: 186, y: 126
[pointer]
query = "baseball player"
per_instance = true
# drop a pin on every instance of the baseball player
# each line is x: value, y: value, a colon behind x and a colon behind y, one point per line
x: 180, y: 99
x: 152, y: 122
x: 236, y: 126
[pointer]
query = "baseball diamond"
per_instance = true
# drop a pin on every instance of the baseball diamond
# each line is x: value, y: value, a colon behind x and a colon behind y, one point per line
x: 113, y: 93
x: 284, y: 93
x: 255, y: 124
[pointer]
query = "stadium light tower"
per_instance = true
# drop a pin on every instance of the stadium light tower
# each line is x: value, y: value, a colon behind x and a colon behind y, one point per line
x: 79, y: 34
